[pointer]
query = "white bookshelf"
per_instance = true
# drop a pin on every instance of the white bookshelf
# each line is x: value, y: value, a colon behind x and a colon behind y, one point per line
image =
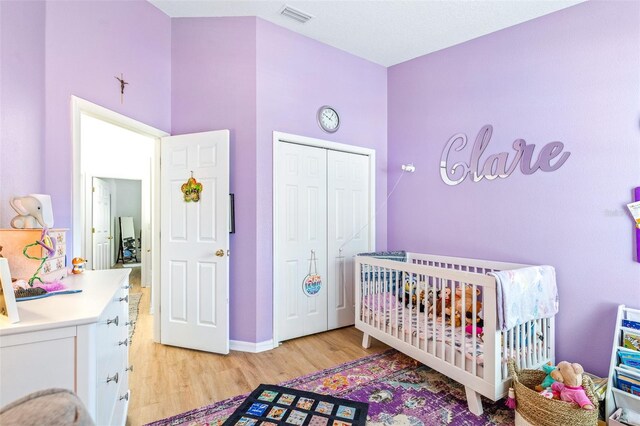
x: 617, y: 398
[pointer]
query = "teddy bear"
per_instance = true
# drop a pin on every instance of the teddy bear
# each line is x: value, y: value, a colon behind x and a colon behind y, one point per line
x: 470, y: 299
x: 437, y: 311
x: 569, y: 384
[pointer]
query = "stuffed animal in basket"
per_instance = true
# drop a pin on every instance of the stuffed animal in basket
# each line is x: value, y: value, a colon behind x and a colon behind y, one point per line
x: 569, y: 384
x: 551, y: 377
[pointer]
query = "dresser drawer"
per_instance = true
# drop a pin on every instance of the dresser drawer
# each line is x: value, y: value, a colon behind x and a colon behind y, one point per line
x: 112, y: 354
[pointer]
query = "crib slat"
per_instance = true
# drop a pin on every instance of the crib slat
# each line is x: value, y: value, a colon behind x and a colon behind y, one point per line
x: 436, y: 287
x: 399, y: 300
x: 530, y: 344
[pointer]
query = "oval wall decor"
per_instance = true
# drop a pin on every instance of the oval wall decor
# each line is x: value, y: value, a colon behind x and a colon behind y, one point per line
x: 495, y: 165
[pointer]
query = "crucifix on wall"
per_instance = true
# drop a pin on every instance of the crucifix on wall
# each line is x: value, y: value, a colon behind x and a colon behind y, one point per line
x: 122, y: 84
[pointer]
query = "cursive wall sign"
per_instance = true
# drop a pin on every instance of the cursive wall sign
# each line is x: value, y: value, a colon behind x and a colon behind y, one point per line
x: 495, y: 165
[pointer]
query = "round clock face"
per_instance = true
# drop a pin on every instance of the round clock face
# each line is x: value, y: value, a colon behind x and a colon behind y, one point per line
x: 328, y: 119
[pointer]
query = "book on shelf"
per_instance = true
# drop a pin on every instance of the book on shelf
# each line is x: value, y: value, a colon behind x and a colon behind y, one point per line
x: 629, y: 358
x: 631, y: 324
x: 631, y: 340
x: 628, y: 382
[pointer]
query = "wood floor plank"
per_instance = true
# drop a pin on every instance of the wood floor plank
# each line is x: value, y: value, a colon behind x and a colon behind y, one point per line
x: 169, y: 380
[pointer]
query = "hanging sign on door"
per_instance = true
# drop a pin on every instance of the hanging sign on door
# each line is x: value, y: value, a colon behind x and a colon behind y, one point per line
x: 191, y: 189
x: 312, y: 283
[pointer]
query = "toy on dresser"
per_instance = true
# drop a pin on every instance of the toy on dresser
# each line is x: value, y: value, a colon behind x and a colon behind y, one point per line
x: 34, y: 211
x: 34, y: 250
x: 14, y: 242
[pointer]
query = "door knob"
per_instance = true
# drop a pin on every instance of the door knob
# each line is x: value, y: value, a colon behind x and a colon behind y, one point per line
x: 109, y: 238
x: 220, y: 253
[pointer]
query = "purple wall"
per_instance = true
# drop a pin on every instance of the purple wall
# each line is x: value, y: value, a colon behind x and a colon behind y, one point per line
x: 295, y: 76
x: 214, y: 87
x: 87, y: 44
x: 253, y: 77
x: 21, y: 101
x: 570, y: 76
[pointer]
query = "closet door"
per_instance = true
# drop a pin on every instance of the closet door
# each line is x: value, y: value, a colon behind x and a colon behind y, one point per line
x: 348, y: 230
x: 302, y: 228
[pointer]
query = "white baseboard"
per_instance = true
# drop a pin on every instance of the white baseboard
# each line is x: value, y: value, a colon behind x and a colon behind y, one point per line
x: 242, y: 346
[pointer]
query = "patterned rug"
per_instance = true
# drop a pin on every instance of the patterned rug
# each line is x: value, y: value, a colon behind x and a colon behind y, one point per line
x: 134, y: 306
x: 399, y: 390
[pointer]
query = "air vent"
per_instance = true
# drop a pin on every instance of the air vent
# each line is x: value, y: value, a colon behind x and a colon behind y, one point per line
x: 295, y: 14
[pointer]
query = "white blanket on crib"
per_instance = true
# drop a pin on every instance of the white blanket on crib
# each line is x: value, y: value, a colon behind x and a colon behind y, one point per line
x: 525, y: 294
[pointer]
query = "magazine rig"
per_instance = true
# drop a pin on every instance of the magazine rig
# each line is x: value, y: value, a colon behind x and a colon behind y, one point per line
x: 617, y: 398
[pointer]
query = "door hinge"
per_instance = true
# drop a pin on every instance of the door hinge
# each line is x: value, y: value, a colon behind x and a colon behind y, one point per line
x: 93, y: 230
x: 93, y: 189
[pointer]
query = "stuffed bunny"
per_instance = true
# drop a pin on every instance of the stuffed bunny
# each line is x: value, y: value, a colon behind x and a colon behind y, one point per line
x: 569, y: 384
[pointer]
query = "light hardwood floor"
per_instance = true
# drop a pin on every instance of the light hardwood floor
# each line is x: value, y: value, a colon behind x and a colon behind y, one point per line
x: 169, y: 380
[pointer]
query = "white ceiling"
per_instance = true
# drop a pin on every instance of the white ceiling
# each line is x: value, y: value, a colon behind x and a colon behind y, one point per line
x: 386, y: 32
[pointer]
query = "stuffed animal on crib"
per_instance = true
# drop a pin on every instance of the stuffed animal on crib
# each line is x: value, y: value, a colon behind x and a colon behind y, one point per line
x: 466, y: 310
x: 550, y: 379
x: 569, y: 384
x: 444, y: 314
x: 410, y: 295
x: 479, y: 323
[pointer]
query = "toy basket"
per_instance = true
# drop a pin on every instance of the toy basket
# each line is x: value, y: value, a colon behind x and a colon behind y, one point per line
x: 540, y: 411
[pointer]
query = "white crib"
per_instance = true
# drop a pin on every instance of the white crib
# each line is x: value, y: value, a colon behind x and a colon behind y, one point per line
x: 477, y: 362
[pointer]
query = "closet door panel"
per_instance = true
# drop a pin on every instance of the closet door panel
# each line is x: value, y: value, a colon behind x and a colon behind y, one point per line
x: 347, y: 230
x: 302, y: 228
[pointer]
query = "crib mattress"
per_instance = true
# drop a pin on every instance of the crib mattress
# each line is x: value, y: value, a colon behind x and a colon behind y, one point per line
x: 397, y: 319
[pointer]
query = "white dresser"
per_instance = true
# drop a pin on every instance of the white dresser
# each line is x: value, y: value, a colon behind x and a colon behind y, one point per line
x: 74, y: 341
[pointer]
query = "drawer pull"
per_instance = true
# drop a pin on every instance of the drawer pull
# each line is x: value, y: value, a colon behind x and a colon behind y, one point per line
x: 129, y: 368
x: 114, y: 378
x: 124, y: 299
x: 125, y: 397
x: 113, y: 321
x: 123, y: 342
x: 129, y: 323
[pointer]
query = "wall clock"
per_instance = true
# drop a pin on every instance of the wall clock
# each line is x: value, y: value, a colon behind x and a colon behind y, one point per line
x: 328, y: 119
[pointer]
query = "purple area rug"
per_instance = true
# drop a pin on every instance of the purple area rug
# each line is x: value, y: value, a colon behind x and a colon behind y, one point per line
x: 399, y: 390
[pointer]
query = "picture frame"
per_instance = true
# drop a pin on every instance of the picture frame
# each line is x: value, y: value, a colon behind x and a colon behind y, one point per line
x: 8, y: 305
x: 232, y: 214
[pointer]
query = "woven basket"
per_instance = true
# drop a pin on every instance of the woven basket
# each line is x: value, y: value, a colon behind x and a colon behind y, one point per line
x: 541, y: 411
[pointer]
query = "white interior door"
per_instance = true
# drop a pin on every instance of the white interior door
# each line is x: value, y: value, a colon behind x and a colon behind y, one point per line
x: 302, y: 225
x: 101, y: 224
x: 347, y: 230
x: 194, y: 299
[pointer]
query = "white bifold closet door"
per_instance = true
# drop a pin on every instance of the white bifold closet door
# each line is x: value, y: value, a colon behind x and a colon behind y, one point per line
x: 347, y: 230
x: 323, y: 206
x: 302, y: 221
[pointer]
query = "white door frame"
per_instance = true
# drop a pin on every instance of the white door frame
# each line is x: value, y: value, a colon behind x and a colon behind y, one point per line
x: 78, y: 214
x: 279, y: 137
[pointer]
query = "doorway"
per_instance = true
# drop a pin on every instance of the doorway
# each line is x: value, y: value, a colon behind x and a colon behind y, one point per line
x: 99, y: 151
x: 323, y: 216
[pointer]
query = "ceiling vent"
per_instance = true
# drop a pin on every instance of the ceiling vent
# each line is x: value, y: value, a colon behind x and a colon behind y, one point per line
x: 295, y: 14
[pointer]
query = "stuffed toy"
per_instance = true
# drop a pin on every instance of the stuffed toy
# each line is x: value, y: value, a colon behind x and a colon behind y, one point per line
x: 569, y: 384
x: 550, y: 378
x: 446, y: 313
x: 439, y: 313
x: 466, y: 311
x: 411, y: 296
x: 479, y: 324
